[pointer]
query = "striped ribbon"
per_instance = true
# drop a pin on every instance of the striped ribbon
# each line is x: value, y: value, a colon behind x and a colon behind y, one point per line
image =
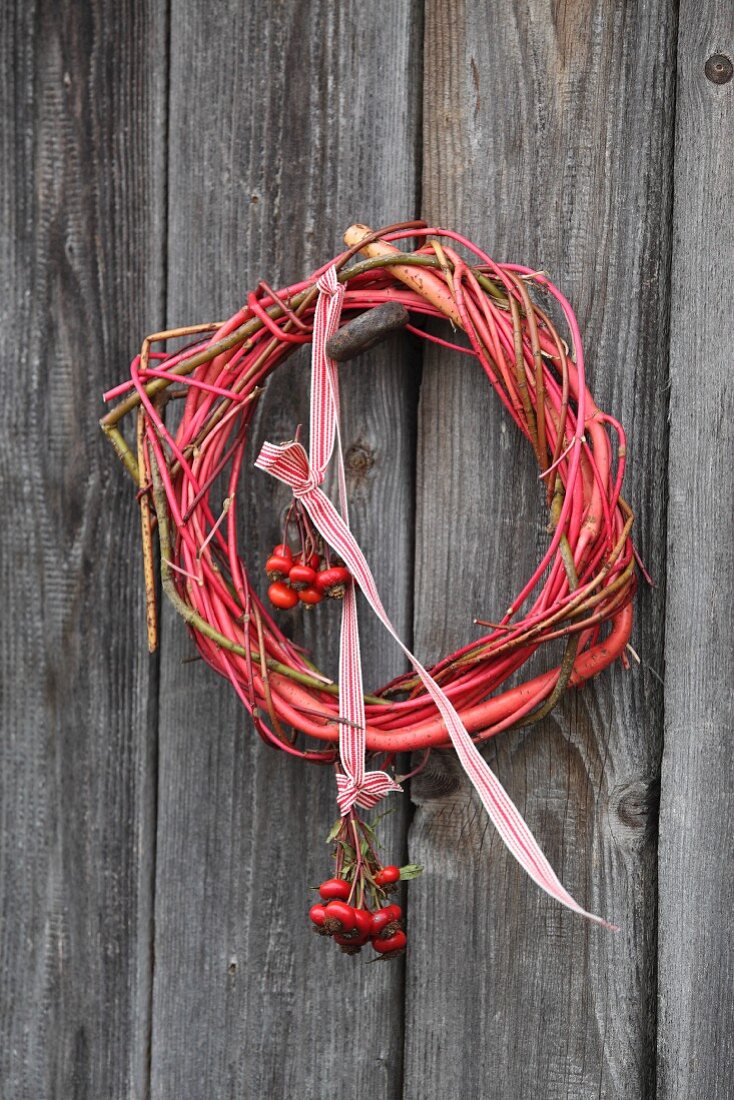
x: 290, y: 464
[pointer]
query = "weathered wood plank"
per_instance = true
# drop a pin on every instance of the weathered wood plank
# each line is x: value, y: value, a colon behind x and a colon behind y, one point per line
x: 696, y: 960
x: 80, y: 269
x: 547, y: 137
x: 284, y: 130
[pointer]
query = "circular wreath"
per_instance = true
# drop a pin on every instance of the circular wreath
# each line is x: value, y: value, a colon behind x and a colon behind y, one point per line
x: 580, y: 591
x: 585, y: 580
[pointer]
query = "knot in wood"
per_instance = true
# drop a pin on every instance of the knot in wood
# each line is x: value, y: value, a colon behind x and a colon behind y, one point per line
x: 438, y: 782
x: 359, y: 460
x: 635, y: 806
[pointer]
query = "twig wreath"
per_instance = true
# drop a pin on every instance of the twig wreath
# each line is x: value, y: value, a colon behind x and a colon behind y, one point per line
x: 581, y: 590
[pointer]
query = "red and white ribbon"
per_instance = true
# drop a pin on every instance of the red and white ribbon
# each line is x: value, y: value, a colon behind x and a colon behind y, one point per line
x: 289, y: 463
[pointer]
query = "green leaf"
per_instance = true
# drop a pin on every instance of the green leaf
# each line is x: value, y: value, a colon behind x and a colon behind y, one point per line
x: 334, y: 830
x: 411, y: 870
x: 376, y: 821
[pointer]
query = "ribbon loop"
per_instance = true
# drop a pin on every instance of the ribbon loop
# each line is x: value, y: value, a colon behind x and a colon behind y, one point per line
x: 289, y: 463
x: 374, y: 786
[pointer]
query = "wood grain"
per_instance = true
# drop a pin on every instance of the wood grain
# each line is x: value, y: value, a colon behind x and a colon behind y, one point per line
x: 284, y: 130
x: 135, y: 192
x: 80, y: 270
x: 547, y: 137
x: 696, y: 983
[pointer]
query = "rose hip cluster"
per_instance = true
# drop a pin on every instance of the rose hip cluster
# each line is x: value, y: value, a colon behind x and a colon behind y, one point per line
x: 305, y: 578
x: 352, y: 927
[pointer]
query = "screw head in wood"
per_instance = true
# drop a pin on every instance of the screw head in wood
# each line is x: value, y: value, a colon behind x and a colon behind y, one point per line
x: 719, y: 69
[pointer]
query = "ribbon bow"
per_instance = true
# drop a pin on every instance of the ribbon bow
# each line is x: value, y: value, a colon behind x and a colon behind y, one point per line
x: 290, y: 464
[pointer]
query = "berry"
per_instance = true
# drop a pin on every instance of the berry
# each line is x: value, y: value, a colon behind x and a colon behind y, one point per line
x: 335, y: 888
x: 351, y: 945
x: 392, y: 944
x: 387, y: 875
x: 339, y: 917
x: 310, y: 595
x: 380, y: 920
x: 317, y: 913
x: 283, y: 550
x: 282, y: 596
x: 396, y: 911
x: 277, y: 567
x: 314, y: 561
x: 363, y: 922
x: 302, y: 576
x: 332, y: 582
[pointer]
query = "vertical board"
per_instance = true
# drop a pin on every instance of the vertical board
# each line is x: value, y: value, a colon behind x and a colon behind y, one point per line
x: 286, y: 126
x: 696, y: 1004
x: 547, y: 137
x: 80, y: 269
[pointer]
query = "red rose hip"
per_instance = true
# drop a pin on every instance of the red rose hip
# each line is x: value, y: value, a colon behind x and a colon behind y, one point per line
x: 282, y: 596
x: 381, y: 919
x: 391, y: 944
x: 335, y: 888
x: 317, y: 913
x: 363, y: 922
x: 302, y: 576
x: 310, y: 595
x: 332, y: 582
x: 341, y: 913
x: 277, y: 567
x: 351, y: 940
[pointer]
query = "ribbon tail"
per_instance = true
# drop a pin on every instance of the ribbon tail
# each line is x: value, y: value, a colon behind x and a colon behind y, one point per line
x: 357, y: 786
x: 513, y: 829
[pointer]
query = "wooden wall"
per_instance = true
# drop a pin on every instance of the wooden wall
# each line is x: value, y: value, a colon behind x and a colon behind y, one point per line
x: 155, y: 858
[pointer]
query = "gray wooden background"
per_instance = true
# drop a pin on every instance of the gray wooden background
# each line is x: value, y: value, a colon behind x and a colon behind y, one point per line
x: 158, y: 159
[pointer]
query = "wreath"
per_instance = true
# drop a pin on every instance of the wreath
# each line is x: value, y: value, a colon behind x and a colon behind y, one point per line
x: 187, y: 480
